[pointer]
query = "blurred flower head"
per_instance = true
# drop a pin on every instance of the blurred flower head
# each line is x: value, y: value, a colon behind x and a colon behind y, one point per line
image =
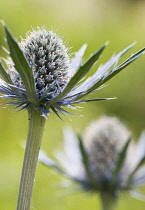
x: 103, y: 160
x: 41, y: 73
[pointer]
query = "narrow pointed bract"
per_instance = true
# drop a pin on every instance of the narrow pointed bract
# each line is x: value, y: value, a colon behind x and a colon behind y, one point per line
x: 41, y: 73
x: 104, y: 160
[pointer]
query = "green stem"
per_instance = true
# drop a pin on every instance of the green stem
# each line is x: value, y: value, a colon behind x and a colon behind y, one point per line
x: 109, y: 201
x: 34, y: 138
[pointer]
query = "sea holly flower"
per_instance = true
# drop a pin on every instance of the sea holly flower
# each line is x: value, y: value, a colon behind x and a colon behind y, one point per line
x: 41, y: 73
x: 105, y: 160
x: 41, y: 77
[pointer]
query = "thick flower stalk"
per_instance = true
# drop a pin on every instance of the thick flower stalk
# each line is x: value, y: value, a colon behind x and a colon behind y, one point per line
x: 103, y: 161
x: 41, y: 77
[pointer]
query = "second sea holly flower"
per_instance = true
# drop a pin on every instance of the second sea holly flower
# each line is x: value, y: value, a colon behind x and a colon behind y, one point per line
x: 104, y: 160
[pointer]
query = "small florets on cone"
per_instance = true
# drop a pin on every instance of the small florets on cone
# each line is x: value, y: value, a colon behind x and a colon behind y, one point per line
x: 49, y: 60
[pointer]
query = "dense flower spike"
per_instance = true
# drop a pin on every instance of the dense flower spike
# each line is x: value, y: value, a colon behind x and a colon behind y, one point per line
x: 41, y: 73
x: 105, y: 137
x: 104, y: 160
x: 48, y: 59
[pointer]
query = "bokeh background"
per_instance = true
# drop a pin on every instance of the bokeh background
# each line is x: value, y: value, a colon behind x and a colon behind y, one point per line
x: 121, y: 22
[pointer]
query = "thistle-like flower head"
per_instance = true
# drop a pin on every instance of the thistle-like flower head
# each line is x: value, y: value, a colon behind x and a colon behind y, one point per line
x: 104, y: 160
x: 40, y: 73
x: 104, y: 139
x: 49, y: 60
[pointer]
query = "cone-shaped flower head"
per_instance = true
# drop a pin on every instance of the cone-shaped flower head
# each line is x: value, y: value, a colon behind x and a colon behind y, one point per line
x: 40, y: 72
x: 104, y: 160
x: 49, y: 60
x: 104, y: 139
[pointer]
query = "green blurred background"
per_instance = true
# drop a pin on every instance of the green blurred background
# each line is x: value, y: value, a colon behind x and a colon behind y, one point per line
x: 80, y: 21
